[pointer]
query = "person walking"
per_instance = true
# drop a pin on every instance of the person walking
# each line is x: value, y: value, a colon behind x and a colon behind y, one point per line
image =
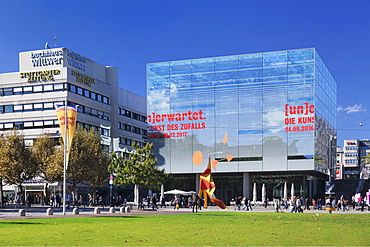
x: 154, y: 202
x: 195, y: 201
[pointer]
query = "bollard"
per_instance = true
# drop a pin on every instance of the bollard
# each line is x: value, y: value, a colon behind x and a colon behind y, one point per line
x: 122, y: 209
x: 22, y: 212
x: 49, y: 211
x: 96, y: 211
x: 111, y: 210
x: 127, y: 209
x: 75, y: 211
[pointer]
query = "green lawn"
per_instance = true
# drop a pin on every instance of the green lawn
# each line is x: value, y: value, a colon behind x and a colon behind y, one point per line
x: 211, y: 228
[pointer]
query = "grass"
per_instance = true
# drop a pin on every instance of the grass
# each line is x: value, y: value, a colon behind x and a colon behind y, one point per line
x: 211, y: 228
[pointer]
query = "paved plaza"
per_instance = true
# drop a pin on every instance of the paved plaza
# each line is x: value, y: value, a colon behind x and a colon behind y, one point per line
x: 12, y: 212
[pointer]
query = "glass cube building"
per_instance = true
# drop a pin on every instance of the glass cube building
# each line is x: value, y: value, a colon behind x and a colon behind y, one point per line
x: 265, y: 118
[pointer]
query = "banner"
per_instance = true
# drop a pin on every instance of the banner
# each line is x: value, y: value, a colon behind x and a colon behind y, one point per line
x: 67, y: 116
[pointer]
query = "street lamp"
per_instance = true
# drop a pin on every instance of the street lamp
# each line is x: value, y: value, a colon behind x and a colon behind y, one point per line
x: 331, y: 156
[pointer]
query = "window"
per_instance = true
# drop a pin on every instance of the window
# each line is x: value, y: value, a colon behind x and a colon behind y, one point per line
x: 38, y: 107
x: 48, y: 123
x: 87, y: 93
x: 80, y: 91
x: 8, y: 108
x: 72, y: 88
x: 93, y: 95
x: 8, y: 125
x: 105, y: 132
x: 28, y: 125
x: 59, y: 87
x: 48, y: 88
x: 27, y: 90
x: 99, y: 97
x: 87, y: 110
x: 48, y: 106
x: 94, y: 112
x: 18, y: 90
x: 8, y: 91
x: 37, y: 89
x: 80, y: 109
x: 18, y: 125
x: 18, y: 108
x: 105, y: 100
x: 38, y: 123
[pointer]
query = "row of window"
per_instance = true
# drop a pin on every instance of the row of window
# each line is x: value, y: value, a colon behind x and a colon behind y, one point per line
x: 40, y: 88
x: 29, y: 107
x: 351, y: 148
x: 128, y: 142
x: 133, y: 129
x: 351, y: 161
x: 47, y: 124
x: 130, y: 114
x: 51, y: 106
x: 88, y: 94
x: 29, y: 125
x: 93, y: 112
x: 351, y: 154
x: 101, y: 131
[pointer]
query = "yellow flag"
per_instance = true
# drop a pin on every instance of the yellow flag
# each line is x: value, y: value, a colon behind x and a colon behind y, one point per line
x: 67, y: 116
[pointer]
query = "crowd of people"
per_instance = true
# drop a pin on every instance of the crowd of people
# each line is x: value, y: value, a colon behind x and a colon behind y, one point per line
x: 297, y: 204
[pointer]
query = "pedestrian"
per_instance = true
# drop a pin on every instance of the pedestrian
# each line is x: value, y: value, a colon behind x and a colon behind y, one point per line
x: 314, y: 203
x: 154, y: 202
x: 277, y: 204
x: 163, y: 202
x: 238, y: 202
x: 195, y: 200
x: 293, y: 204
x: 29, y: 200
x: 353, y: 202
x: 319, y: 204
x: 243, y: 203
x: 299, y: 205
x: 249, y: 205
x: 306, y: 204
x: 177, y: 203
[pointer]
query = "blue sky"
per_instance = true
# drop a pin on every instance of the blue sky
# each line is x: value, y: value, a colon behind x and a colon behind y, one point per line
x: 128, y: 34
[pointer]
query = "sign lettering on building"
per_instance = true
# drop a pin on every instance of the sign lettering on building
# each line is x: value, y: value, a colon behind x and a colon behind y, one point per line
x: 44, y: 75
x: 176, y: 129
x: 47, y: 58
x: 298, y: 117
x: 76, y: 60
x: 84, y: 79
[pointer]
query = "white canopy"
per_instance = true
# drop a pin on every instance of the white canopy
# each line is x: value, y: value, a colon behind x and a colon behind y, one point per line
x: 179, y: 192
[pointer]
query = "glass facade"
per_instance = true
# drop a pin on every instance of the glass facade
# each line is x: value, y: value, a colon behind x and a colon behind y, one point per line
x: 273, y: 112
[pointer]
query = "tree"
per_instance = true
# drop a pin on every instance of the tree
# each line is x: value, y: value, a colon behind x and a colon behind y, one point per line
x: 17, y: 163
x: 45, y: 150
x: 139, y: 168
x: 88, y: 161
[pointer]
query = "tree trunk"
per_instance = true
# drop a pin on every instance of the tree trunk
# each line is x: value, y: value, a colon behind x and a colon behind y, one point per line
x: 1, y: 193
x: 22, y: 195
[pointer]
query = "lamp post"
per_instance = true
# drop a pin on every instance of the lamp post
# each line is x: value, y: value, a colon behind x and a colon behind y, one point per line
x: 331, y: 156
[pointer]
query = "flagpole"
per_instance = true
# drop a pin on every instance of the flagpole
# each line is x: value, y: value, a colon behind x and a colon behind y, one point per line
x: 65, y: 156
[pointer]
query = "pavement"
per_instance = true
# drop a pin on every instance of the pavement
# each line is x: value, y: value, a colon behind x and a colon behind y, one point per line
x: 12, y: 212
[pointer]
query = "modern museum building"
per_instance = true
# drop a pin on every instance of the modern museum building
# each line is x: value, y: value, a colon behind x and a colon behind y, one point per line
x: 263, y: 118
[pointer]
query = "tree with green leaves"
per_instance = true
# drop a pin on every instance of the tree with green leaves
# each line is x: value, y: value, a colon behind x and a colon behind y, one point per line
x: 87, y: 164
x: 139, y: 168
x: 17, y: 162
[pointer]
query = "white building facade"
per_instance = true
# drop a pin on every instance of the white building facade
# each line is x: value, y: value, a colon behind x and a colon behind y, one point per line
x: 53, y: 76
